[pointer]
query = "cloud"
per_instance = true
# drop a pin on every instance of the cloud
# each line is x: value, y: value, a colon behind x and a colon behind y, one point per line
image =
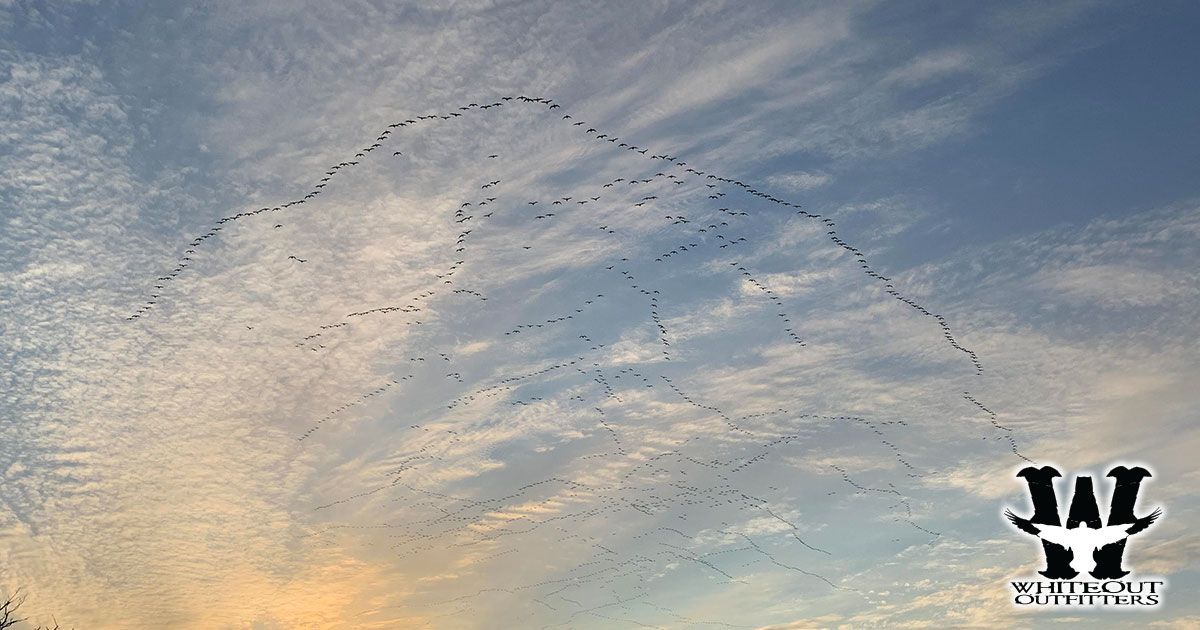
x: 799, y: 181
x: 931, y: 66
x: 820, y: 624
x: 638, y: 410
x: 1112, y: 286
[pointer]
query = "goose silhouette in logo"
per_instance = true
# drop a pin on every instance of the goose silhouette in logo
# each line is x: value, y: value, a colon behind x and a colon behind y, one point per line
x: 1103, y: 545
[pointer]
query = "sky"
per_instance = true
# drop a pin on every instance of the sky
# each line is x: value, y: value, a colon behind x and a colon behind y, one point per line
x: 718, y: 315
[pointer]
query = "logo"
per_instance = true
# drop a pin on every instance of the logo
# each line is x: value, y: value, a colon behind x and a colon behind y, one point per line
x: 1085, y: 547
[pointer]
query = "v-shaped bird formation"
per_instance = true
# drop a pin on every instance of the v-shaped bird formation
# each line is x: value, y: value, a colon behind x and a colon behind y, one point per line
x: 561, y: 407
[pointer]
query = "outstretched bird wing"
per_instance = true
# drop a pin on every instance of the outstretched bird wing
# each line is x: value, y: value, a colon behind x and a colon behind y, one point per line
x: 1022, y: 524
x: 1144, y: 522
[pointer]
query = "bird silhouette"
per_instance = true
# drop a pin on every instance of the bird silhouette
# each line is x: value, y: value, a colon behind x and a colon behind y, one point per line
x: 1084, y: 541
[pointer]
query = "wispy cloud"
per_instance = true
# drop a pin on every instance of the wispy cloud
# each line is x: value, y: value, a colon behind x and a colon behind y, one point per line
x: 667, y: 414
x: 799, y: 181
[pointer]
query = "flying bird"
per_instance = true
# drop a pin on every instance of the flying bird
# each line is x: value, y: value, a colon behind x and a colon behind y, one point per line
x: 1083, y: 540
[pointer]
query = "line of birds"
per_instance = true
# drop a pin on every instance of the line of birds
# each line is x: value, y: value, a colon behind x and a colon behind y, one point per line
x: 665, y: 484
x: 550, y: 105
